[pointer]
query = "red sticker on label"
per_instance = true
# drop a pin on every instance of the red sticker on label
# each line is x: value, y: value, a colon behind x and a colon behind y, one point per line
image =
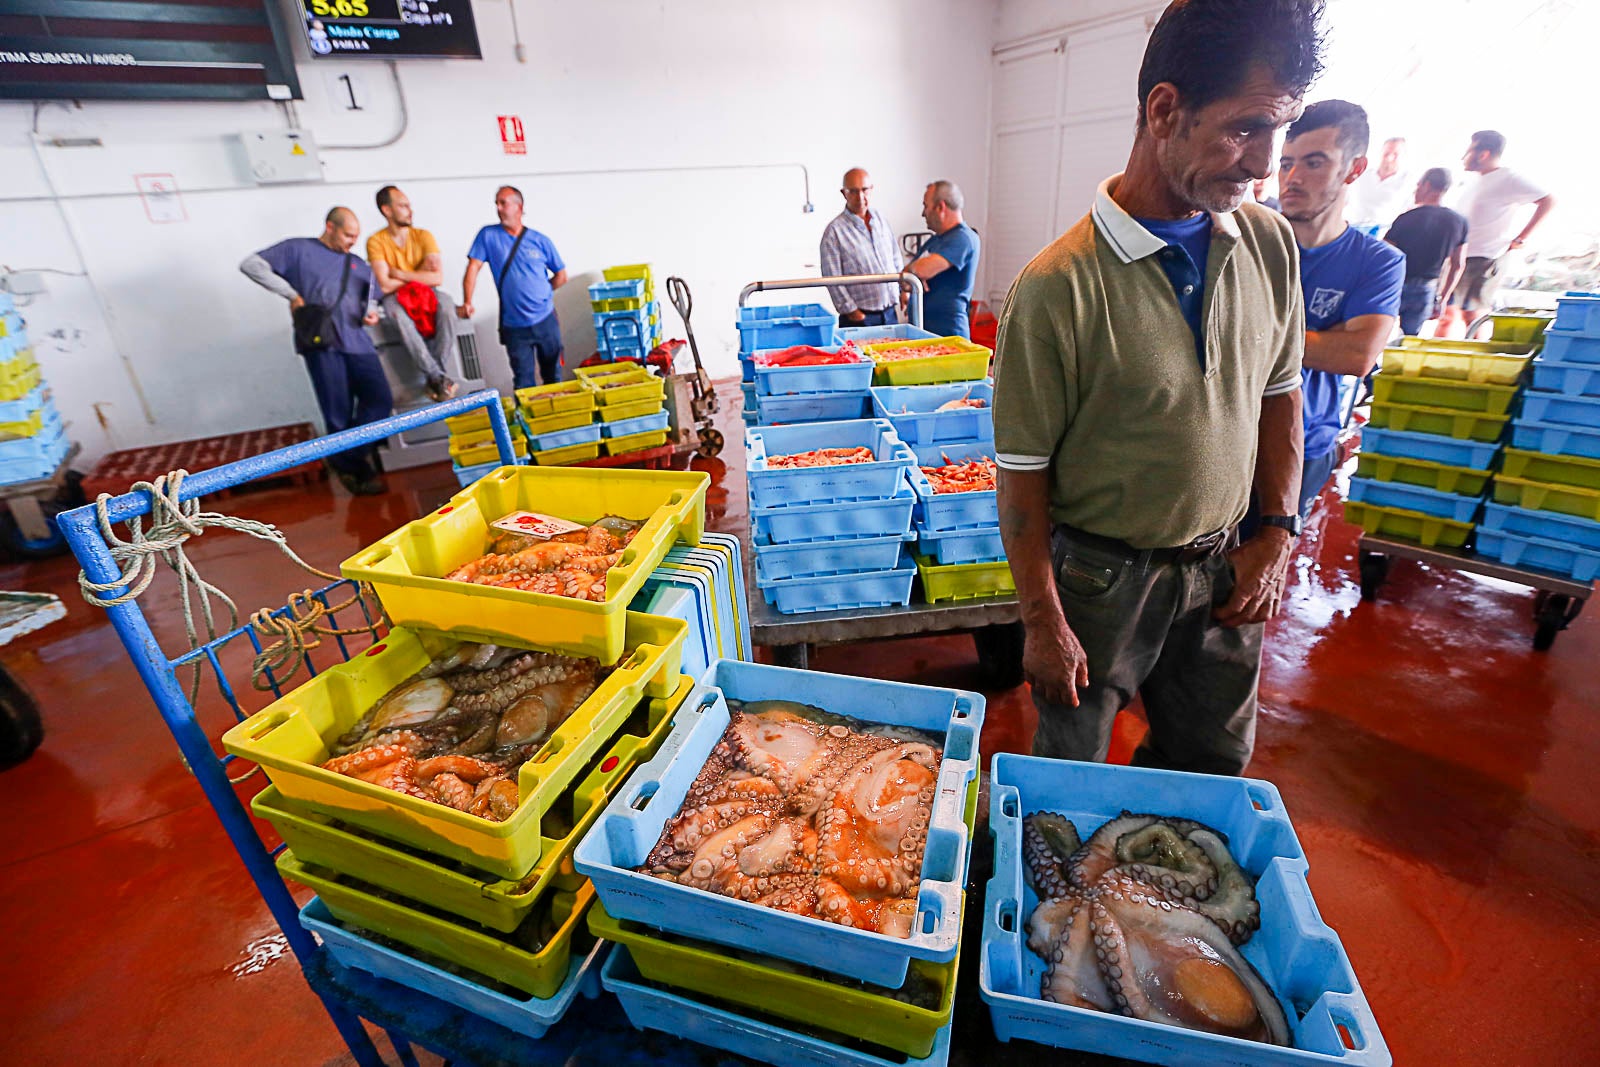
x: 609, y: 765
x: 375, y: 649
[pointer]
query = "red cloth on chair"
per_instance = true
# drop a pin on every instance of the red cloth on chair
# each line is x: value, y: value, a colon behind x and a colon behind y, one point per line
x: 421, y: 304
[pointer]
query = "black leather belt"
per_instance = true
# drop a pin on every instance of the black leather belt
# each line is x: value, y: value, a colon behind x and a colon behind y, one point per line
x: 1203, y: 547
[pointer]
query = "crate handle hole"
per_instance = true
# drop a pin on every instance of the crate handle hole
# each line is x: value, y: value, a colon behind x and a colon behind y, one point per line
x: 1346, y: 1037
x: 1260, y: 799
x: 1008, y: 806
x: 963, y: 708
x: 646, y: 792
x: 1007, y: 917
x: 269, y: 724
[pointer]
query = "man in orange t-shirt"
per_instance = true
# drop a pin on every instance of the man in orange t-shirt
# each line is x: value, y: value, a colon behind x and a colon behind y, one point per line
x: 401, y: 254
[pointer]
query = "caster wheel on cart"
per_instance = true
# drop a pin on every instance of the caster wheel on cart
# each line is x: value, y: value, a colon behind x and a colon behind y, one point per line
x: 1000, y: 654
x: 21, y: 729
x: 711, y: 442
x: 1551, y: 614
x: 1374, y: 569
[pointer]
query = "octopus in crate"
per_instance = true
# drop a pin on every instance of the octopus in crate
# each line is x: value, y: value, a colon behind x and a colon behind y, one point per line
x: 973, y: 476
x: 456, y: 732
x: 1143, y: 919
x: 571, y: 565
x: 807, y: 813
x: 822, y: 457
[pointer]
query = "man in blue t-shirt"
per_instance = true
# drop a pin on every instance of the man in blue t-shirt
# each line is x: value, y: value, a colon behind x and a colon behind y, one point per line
x: 948, y: 262
x: 1351, y: 282
x: 527, y: 270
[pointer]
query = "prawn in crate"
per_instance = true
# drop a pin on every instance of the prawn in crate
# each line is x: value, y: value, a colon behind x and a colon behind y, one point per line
x: 813, y: 462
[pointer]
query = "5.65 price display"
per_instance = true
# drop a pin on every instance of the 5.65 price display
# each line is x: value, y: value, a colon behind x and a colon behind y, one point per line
x: 389, y: 28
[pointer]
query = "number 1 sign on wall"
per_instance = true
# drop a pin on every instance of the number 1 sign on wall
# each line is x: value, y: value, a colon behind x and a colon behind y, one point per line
x: 511, y: 136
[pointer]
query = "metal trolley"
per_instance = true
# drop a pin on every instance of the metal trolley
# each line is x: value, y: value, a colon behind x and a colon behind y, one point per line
x: 350, y: 996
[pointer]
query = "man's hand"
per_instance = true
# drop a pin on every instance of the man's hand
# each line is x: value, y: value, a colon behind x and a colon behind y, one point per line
x: 856, y: 317
x: 464, y: 311
x: 296, y: 303
x: 1260, y: 567
x: 1054, y: 663
x: 370, y: 318
x: 1516, y: 243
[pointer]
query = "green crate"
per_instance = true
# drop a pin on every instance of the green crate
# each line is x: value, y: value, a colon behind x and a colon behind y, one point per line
x: 1475, y: 347
x: 618, y: 412
x: 1543, y: 467
x: 566, y: 420
x: 319, y: 840
x: 627, y: 272
x: 634, y: 442
x: 969, y: 364
x: 620, y: 303
x: 1426, y: 361
x: 1447, y: 422
x: 537, y: 972
x: 1393, y: 387
x: 1441, y: 476
x: 558, y: 398
x: 561, y: 457
x: 1428, y: 530
x: 1524, y: 328
x: 477, y: 420
x: 1547, y: 496
x: 964, y: 581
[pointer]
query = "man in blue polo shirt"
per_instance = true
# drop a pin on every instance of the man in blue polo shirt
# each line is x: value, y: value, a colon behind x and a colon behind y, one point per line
x: 948, y: 262
x: 527, y: 270
x: 1351, y: 282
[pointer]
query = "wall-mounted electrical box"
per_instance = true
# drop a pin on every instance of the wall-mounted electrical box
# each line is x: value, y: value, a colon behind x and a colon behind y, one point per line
x: 273, y: 156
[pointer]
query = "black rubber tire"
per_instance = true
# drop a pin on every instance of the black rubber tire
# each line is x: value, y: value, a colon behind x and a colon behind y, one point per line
x: 1374, y: 569
x: 20, y: 547
x: 1000, y: 654
x: 711, y: 442
x: 21, y: 729
x: 1544, y: 636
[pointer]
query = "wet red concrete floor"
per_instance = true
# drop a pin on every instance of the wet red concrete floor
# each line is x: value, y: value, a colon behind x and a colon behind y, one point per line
x: 1439, y: 772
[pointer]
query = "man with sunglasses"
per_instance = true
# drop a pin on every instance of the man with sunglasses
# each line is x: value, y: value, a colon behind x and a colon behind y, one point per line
x: 859, y: 241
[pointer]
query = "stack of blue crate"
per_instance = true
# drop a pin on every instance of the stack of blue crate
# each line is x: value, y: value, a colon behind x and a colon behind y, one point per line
x: 776, y: 326
x: 33, y: 437
x: 1546, y: 508
x: 824, y: 393
x: 830, y: 535
x: 625, y: 318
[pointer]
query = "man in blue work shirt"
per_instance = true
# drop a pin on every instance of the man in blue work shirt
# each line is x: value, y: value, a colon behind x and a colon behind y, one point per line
x: 331, y: 296
x: 948, y: 263
x: 527, y: 270
x: 1351, y: 282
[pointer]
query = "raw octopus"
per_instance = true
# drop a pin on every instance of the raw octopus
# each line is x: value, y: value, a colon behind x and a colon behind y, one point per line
x: 456, y: 732
x: 797, y: 811
x: 894, y: 355
x: 823, y: 457
x: 809, y: 356
x: 973, y: 476
x: 1143, y: 920
x: 571, y: 565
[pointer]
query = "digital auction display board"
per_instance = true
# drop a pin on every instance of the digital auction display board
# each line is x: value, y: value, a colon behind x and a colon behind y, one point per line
x: 389, y: 28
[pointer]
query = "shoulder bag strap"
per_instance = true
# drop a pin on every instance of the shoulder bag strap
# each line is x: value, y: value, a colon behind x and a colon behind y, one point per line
x: 500, y: 282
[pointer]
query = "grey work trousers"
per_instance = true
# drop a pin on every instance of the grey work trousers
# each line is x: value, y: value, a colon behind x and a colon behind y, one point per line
x: 427, y: 353
x: 1147, y: 628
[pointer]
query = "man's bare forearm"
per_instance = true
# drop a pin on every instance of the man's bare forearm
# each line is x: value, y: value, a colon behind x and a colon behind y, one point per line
x: 1025, y: 529
x: 1339, y: 352
x: 1280, y: 452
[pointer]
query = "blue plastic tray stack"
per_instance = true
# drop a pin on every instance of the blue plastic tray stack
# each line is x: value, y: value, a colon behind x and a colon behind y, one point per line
x: 739, y: 1020
x: 777, y: 326
x: 704, y: 586
x: 627, y: 318
x: 1546, y: 509
x: 831, y: 537
x: 33, y: 437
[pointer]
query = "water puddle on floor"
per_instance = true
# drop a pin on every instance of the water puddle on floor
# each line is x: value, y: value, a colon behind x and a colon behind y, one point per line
x: 261, y: 954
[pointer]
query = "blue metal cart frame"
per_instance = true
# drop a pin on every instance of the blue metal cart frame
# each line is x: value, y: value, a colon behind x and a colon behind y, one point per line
x: 348, y: 995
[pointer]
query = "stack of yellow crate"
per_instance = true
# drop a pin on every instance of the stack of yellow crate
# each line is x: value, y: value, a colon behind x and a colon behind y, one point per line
x: 473, y: 451
x: 33, y: 439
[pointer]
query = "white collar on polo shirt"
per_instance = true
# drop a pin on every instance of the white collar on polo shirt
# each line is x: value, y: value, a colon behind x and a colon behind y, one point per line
x: 1129, y: 240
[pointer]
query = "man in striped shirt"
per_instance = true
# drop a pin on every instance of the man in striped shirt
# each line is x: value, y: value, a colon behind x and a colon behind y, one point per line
x: 859, y: 241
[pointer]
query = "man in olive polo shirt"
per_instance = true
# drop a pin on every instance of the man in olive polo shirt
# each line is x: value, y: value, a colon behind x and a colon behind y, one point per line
x: 1148, y: 374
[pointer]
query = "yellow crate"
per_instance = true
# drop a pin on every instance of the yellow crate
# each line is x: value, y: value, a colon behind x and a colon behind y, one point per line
x: 19, y: 375
x: 1477, y: 347
x: 969, y: 364
x: 1488, y: 368
x: 1547, y: 496
x: 473, y: 455
x: 1522, y: 328
x: 634, y: 442
x: 606, y: 370
x: 477, y: 419
x: 408, y: 566
x: 617, y: 412
x: 628, y: 388
x: 485, y: 436
x: 563, y: 420
x: 1441, y: 476
x: 558, y: 398
x: 1429, y: 530
x: 567, y: 456
x: 22, y: 428
x: 1560, y: 470
x: 290, y: 738
x: 1447, y: 422
x: 628, y: 271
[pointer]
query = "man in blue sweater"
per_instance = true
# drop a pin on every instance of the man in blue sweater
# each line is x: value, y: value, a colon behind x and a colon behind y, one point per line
x: 1351, y: 282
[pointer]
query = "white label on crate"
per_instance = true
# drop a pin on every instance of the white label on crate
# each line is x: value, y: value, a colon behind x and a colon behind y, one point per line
x: 535, y: 525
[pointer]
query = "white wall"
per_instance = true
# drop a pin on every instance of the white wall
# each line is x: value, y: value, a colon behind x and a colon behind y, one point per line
x: 1019, y: 19
x: 733, y: 92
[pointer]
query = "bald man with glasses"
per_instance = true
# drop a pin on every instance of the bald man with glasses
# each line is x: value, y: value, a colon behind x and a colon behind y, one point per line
x: 859, y: 241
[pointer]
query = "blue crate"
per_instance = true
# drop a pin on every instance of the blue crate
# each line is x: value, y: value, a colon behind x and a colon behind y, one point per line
x: 805, y: 485
x: 748, y: 390
x: 807, y: 559
x: 466, y: 476
x: 835, y: 520
x: 1568, y: 379
x: 747, y: 370
x: 913, y: 411
x: 1581, y: 411
x: 1414, y: 498
x: 1300, y: 958
x: 816, y: 407
x: 837, y: 378
x: 635, y: 319
x: 700, y: 574
x: 675, y: 596
x: 727, y: 613
x: 578, y: 435
x: 1579, y: 314
x: 935, y: 454
x: 782, y: 325
x: 1544, y: 525
x: 736, y: 565
x: 938, y: 512
x: 1567, y: 346
x: 1428, y: 446
x: 34, y: 457
x: 18, y: 410
x: 618, y: 333
x: 649, y: 1007
x: 979, y: 545
x: 750, y: 418
x: 842, y: 592
x: 871, y: 335
x: 622, y: 290
x: 7, y: 304
x: 520, y: 1015
x: 1536, y: 553
x: 14, y: 326
x: 633, y: 819
x: 657, y: 420
x: 1556, y: 440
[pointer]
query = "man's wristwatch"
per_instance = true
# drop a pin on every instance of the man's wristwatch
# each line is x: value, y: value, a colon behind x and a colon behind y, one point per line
x: 1283, y: 522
